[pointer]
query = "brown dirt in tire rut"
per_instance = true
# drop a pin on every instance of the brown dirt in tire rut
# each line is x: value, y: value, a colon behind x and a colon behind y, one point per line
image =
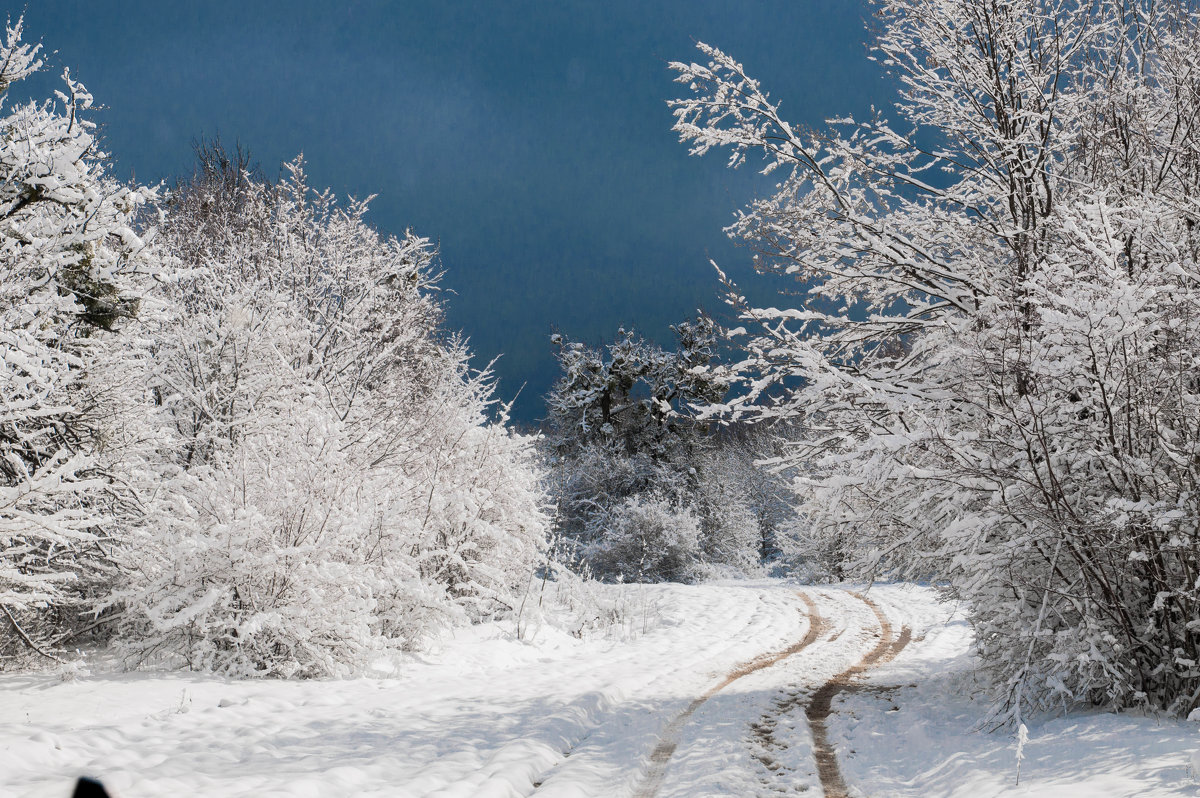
x: 661, y: 756
x: 819, y: 707
x: 821, y: 704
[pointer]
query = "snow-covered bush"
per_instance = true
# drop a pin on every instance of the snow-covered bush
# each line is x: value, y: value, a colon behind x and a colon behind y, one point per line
x: 647, y: 538
x: 995, y: 366
x: 69, y: 261
x: 324, y: 482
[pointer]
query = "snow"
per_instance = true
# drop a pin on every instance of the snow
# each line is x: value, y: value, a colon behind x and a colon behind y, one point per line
x: 487, y: 714
x: 911, y: 731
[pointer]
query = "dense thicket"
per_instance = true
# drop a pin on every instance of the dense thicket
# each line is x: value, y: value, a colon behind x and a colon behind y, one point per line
x: 69, y: 275
x: 999, y: 351
x: 644, y: 491
x: 327, y: 481
x: 268, y: 459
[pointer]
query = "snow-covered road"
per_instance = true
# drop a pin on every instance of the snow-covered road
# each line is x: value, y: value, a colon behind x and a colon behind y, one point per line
x: 484, y: 715
x: 689, y: 691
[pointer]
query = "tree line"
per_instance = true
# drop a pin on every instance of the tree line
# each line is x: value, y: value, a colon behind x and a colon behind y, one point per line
x: 236, y: 434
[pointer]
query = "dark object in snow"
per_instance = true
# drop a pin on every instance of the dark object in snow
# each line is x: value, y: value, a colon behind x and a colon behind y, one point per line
x: 89, y: 788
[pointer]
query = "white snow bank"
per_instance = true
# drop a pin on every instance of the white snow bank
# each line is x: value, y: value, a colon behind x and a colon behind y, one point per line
x: 914, y: 734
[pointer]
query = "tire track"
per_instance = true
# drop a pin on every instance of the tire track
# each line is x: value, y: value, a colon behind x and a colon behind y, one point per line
x: 660, y: 757
x: 545, y: 783
x: 820, y: 704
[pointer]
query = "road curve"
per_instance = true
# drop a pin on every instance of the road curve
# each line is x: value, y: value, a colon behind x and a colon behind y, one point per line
x: 816, y: 695
x: 821, y: 703
x: 660, y: 757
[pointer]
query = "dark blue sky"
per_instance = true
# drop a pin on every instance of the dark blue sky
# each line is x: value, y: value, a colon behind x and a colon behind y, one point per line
x: 530, y: 139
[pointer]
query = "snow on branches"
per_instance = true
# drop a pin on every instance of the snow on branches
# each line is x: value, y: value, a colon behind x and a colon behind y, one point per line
x: 644, y: 491
x: 69, y: 266
x: 247, y: 444
x: 996, y: 359
x: 326, y: 482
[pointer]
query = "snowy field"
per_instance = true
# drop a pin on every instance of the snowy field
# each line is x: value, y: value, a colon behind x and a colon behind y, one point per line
x: 691, y: 691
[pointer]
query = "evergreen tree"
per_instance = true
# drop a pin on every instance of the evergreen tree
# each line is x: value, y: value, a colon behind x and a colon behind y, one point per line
x: 640, y: 493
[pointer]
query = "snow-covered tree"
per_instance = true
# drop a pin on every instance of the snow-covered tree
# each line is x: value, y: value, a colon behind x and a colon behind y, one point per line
x: 619, y: 423
x: 69, y: 261
x: 626, y: 451
x: 637, y: 397
x: 325, y: 482
x: 996, y: 360
x: 747, y: 478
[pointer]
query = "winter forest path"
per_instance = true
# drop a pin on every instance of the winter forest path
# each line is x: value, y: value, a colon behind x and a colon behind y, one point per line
x: 827, y: 641
x: 669, y: 704
x: 661, y: 756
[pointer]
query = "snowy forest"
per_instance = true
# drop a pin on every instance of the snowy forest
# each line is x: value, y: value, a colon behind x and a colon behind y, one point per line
x: 238, y: 437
